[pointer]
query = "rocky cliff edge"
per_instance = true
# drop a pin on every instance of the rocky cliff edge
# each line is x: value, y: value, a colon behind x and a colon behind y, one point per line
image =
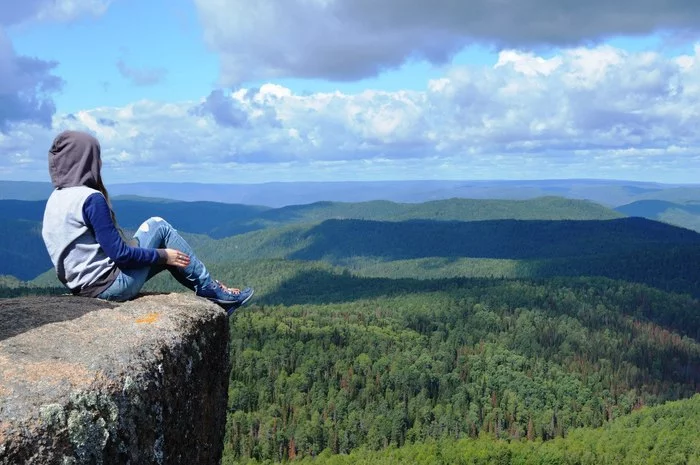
x: 84, y: 381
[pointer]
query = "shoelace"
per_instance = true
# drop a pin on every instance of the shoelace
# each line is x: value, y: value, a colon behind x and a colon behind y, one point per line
x: 230, y: 290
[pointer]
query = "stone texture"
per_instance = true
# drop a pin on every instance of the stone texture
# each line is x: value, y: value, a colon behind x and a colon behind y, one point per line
x: 83, y: 381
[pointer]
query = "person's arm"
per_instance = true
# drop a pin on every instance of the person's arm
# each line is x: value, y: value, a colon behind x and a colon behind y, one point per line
x: 96, y: 214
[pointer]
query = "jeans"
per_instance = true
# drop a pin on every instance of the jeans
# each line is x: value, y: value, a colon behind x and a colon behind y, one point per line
x: 156, y: 233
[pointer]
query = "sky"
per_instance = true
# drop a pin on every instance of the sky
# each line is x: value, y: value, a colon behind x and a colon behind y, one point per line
x: 241, y: 91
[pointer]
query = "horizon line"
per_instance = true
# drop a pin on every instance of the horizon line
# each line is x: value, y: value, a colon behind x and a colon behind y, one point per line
x: 377, y: 181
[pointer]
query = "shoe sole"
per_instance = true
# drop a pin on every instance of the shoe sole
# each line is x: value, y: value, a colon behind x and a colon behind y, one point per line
x: 234, y: 307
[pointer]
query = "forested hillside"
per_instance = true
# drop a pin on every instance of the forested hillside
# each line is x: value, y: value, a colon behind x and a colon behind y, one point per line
x: 662, y: 435
x: 23, y: 255
x: 329, y: 363
x: 633, y: 249
x: 487, y: 239
x: 543, y: 208
x: 338, y: 240
x: 686, y: 215
x: 341, y: 363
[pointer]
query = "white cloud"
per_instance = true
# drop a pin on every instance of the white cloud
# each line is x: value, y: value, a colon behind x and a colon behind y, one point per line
x: 598, y: 112
x: 527, y: 63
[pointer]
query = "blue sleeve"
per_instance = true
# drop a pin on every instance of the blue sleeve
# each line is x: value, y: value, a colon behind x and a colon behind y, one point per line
x: 97, y: 216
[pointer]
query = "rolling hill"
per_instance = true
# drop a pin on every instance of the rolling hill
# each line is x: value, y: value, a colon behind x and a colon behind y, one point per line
x: 554, y: 208
x: 516, y: 239
x: 686, y: 215
x: 23, y: 255
x: 633, y: 249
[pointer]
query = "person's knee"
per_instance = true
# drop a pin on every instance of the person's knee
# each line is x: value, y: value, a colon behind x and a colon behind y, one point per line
x: 153, y: 223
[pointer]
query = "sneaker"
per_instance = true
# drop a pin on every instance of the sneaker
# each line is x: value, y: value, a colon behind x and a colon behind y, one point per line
x: 222, y: 295
x: 245, y: 295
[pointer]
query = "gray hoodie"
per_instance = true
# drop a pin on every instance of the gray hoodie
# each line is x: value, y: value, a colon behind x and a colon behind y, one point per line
x: 74, y: 160
x: 80, y: 262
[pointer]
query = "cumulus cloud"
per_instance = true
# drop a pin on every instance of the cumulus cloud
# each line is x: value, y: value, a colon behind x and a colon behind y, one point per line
x: 24, y: 151
x: 224, y: 109
x: 351, y: 39
x: 586, y: 112
x: 141, y: 76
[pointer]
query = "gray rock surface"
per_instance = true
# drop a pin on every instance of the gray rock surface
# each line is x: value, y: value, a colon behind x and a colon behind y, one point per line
x: 84, y: 381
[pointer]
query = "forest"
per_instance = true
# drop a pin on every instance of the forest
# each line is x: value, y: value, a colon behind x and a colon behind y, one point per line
x: 665, y: 434
x: 397, y: 364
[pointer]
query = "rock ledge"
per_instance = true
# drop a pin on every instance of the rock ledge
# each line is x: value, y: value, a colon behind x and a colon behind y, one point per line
x: 84, y: 381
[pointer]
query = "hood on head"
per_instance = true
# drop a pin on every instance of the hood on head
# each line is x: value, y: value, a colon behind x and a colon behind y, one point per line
x: 74, y: 160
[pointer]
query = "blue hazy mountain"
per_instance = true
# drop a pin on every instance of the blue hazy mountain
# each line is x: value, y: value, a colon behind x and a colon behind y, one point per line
x: 25, y: 190
x: 277, y: 194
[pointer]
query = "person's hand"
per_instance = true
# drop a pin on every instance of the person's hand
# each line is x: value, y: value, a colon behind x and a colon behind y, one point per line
x: 177, y: 258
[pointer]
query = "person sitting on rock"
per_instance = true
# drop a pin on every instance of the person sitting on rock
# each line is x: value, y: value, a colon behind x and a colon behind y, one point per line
x: 87, y: 247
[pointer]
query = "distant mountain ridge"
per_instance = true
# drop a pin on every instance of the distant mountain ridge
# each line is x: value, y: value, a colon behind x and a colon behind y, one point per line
x: 278, y: 194
x: 25, y: 190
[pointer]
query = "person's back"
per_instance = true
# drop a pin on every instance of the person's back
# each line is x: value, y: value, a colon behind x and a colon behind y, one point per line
x: 80, y: 262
